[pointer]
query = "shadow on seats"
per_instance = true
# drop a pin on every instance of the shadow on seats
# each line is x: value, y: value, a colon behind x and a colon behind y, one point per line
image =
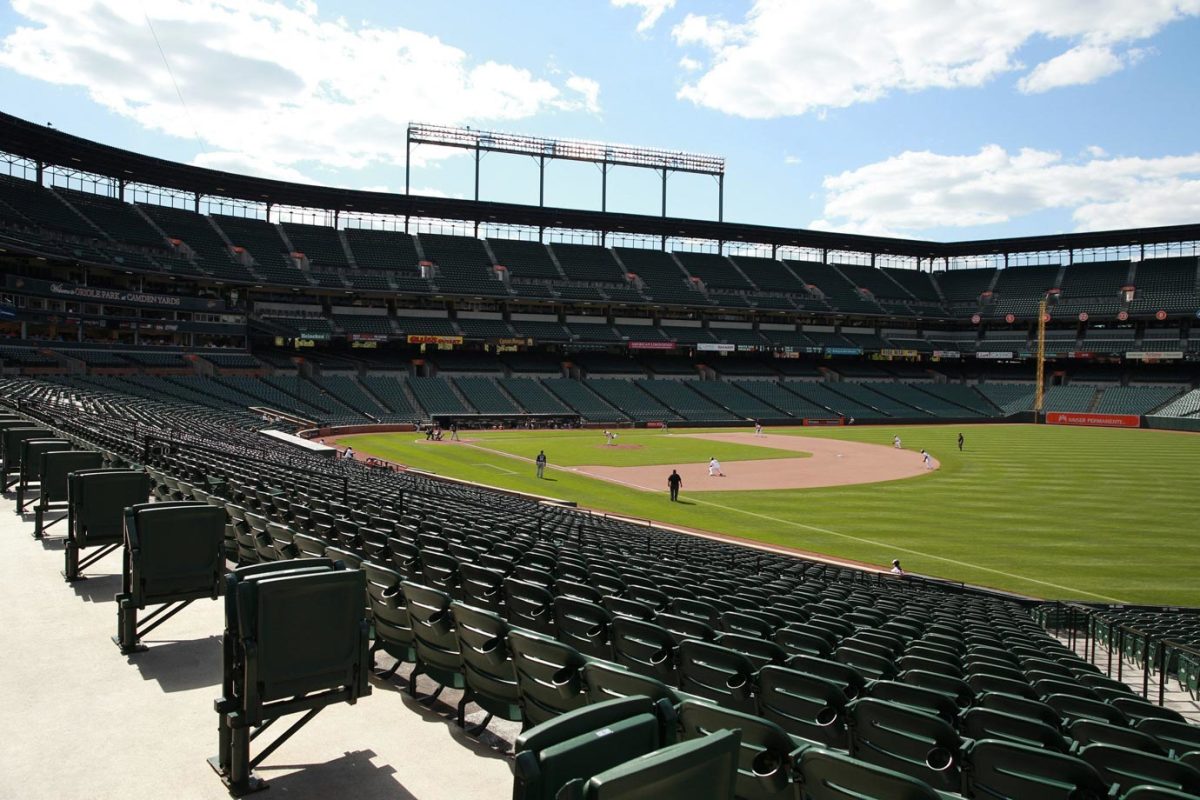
x: 179, y: 665
x: 98, y: 588
x: 331, y: 778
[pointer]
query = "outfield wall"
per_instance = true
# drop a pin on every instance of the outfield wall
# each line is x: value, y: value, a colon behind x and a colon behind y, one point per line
x: 1189, y: 424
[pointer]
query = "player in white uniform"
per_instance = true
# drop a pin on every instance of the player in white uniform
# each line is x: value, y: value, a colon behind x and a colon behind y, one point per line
x: 925, y: 459
x: 714, y: 468
x: 757, y: 428
x: 896, y: 442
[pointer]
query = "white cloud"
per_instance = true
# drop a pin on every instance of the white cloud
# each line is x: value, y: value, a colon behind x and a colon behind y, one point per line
x: 652, y: 10
x: 1079, y: 65
x: 589, y: 95
x: 917, y: 191
x: 273, y: 86
x: 789, y: 58
x: 689, y: 64
x: 792, y: 160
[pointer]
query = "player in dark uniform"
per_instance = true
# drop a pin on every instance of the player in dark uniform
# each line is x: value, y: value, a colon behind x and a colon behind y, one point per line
x: 673, y: 483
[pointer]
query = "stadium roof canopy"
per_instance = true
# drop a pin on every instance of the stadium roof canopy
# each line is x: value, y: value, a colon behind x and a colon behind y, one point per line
x: 48, y: 146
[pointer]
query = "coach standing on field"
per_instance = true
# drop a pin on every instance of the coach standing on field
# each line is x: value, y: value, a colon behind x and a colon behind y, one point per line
x: 673, y: 483
x: 541, y: 463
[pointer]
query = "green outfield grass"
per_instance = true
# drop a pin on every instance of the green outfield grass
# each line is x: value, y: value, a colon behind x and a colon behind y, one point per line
x: 1056, y: 512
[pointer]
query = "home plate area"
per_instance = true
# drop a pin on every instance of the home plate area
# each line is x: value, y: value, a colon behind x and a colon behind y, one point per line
x: 832, y: 463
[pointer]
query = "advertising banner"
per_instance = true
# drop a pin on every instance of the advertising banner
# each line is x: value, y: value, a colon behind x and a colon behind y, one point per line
x: 1165, y: 355
x: 91, y: 294
x: 716, y: 347
x: 1096, y: 420
x: 651, y: 345
x: 993, y: 354
x: 426, y: 339
x: 823, y: 423
x: 843, y: 351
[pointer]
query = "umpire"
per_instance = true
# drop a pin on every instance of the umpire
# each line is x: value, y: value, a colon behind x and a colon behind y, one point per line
x: 673, y: 483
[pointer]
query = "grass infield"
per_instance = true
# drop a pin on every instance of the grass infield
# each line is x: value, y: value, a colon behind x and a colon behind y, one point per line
x: 1057, y: 512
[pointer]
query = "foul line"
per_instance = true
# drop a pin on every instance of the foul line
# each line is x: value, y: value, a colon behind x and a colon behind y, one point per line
x: 827, y: 531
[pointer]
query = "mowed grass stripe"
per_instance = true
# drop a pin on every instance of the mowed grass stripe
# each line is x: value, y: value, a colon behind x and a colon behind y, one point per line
x: 1108, y: 513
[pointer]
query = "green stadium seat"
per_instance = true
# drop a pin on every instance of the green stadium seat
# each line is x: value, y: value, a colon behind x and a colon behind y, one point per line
x: 482, y: 587
x: 1072, y: 707
x: 997, y: 768
x: 963, y: 694
x: 1177, y: 736
x: 826, y: 775
x: 581, y: 743
x: 1089, y: 731
x: 530, y: 606
x: 96, y: 513
x: 1022, y: 707
x: 717, y: 673
x: 174, y: 554
x: 684, y: 627
x: 700, y: 768
x: 797, y: 642
x: 803, y: 705
x: 29, y: 474
x: 549, y: 676
x: 987, y: 723
x: 768, y: 756
x: 10, y: 445
x: 1136, y: 709
x: 295, y: 641
x: 585, y: 626
x: 389, y: 617
x: 434, y: 637
x: 928, y: 700
x: 488, y: 667
x: 851, y: 681
x: 54, y: 469
x: 1156, y: 793
x: 604, y: 681
x: 907, y: 740
x: 1129, y: 768
x: 645, y: 648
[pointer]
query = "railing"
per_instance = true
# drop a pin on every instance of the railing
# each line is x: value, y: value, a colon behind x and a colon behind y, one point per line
x: 1085, y: 626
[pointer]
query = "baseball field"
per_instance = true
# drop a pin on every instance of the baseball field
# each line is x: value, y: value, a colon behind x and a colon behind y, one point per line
x: 1058, y: 512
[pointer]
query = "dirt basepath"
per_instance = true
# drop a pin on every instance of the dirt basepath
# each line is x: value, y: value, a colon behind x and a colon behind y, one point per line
x: 833, y: 463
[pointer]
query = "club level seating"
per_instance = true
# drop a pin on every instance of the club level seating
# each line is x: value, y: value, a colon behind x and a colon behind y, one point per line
x: 878, y: 282
x: 840, y: 293
x: 770, y: 275
x: 662, y: 279
x: 364, y: 323
x: 668, y: 365
x: 607, y: 364
x: 533, y: 363
x: 426, y: 326
x: 1028, y: 282
x: 686, y: 335
x: 485, y: 395
x: 593, y: 332
x: 578, y: 396
x: 485, y: 328
x: 917, y: 283
x: 463, y: 361
x: 1167, y: 277
x: 541, y: 331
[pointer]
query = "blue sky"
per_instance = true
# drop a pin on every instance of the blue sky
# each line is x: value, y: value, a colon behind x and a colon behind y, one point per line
x: 921, y: 118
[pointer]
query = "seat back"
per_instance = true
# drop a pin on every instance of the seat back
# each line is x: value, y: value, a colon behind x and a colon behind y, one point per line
x: 487, y: 663
x: 433, y: 633
x: 529, y: 606
x: 907, y: 740
x: 97, y: 500
x: 11, y: 439
x: 718, y: 673
x: 308, y: 632
x: 645, y: 647
x: 549, y: 675
x: 585, y: 626
x: 1177, y: 736
x: 174, y: 551
x: 998, y: 768
x: 700, y: 768
x: 482, y: 587
x: 803, y: 705
x: 767, y: 757
x: 987, y: 723
x: 57, y: 465
x: 393, y: 628
x: 32, y: 451
x: 604, y: 681
x: 1089, y: 731
x: 825, y: 775
x: 1129, y: 768
x: 578, y: 744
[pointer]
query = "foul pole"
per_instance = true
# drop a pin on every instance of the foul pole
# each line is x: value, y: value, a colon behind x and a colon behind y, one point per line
x: 1041, y: 361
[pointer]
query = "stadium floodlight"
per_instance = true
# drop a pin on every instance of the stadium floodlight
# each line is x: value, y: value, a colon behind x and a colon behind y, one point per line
x: 606, y: 155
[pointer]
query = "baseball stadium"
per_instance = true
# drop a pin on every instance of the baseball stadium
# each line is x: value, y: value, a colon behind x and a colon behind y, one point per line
x: 560, y: 503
